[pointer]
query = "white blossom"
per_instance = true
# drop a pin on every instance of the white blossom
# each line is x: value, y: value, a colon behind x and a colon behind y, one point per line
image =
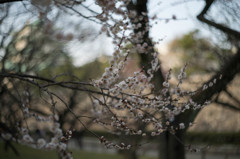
x: 41, y: 143
x: 181, y: 126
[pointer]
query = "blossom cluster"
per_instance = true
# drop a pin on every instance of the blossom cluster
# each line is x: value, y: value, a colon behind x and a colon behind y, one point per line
x: 57, y: 141
x: 120, y: 105
x: 132, y: 100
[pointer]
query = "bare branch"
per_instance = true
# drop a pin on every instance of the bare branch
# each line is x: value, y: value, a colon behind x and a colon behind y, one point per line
x: 227, y: 74
x: 232, y: 97
x: 9, y: 1
x: 226, y: 30
x: 227, y: 105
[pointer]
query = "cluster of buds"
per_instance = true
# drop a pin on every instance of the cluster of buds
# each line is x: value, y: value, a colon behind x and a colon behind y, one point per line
x: 132, y: 100
x: 67, y: 136
x: 109, y: 144
x: 27, y: 138
x: 122, y: 103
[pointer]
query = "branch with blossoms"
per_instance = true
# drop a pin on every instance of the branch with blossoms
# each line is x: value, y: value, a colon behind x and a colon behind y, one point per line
x: 147, y: 97
x: 117, y: 104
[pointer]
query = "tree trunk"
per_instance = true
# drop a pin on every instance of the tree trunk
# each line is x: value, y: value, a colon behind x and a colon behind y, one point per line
x: 171, y: 146
x: 129, y: 154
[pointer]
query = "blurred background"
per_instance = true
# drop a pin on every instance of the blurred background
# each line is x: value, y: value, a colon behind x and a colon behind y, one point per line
x: 60, y: 45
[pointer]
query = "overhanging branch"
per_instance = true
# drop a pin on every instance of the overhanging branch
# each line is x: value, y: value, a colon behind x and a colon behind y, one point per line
x: 228, y: 72
x: 232, y: 97
x: 226, y: 30
x: 228, y: 105
x: 9, y: 1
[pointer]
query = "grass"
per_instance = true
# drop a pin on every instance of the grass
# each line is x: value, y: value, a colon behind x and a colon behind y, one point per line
x: 30, y: 153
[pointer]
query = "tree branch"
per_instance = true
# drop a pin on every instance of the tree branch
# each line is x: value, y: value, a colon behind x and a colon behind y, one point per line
x: 232, y: 97
x: 228, y: 105
x: 141, y: 7
x: 228, y: 72
x: 226, y: 30
x: 9, y: 1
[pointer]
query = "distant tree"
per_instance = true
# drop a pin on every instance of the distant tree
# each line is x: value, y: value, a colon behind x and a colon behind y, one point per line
x: 122, y: 106
x: 34, y: 51
x: 202, y: 55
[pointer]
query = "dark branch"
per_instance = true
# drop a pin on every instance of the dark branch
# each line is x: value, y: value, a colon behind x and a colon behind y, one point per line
x: 232, y: 97
x: 9, y: 1
x: 228, y: 72
x: 207, y: 6
x: 226, y: 30
x: 228, y: 105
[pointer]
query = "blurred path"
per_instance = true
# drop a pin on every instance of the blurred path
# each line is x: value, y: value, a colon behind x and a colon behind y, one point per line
x: 216, y: 152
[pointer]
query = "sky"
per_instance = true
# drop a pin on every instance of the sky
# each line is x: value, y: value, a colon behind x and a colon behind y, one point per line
x: 186, y: 12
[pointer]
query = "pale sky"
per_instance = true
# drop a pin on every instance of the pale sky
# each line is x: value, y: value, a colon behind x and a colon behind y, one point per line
x: 167, y: 31
x: 185, y: 11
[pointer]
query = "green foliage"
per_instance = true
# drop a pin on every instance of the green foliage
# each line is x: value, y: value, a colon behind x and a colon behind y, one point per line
x: 32, y: 50
x: 84, y: 73
x: 199, y: 52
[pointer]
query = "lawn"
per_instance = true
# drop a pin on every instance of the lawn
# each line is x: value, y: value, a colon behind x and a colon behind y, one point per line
x: 30, y: 153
